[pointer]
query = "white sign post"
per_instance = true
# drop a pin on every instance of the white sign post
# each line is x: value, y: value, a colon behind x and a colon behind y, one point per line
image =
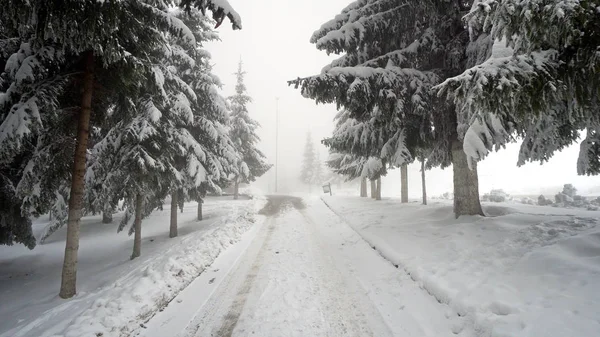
x: 327, y: 189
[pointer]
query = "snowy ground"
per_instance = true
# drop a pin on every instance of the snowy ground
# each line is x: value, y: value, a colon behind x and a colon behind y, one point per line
x: 306, y: 273
x: 341, y: 266
x: 522, y: 271
x: 114, y: 293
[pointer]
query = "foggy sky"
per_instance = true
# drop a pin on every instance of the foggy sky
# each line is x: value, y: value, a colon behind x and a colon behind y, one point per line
x: 274, y: 46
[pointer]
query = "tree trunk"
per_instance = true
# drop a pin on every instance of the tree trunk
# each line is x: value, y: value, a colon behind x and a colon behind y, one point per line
x: 236, y: 190
x: 404, y: 183
x: 174, y: 205
x: 466, y: 184
x: 137, y: 225
x: 363, y: 188
x: 373, y: 189
x: 50, y: 215
x: 378, y: 195
x: 200, y: 201
x: 180, y: 200
x: 107, y: 217
x: 68, y: 286
x: 423, y: 185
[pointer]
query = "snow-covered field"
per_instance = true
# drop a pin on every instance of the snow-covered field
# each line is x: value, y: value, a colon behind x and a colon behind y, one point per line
x: 115, y: 295
x: 522, y: 271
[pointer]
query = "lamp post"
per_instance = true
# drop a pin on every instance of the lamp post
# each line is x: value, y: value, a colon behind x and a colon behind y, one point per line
x: 276, y: 139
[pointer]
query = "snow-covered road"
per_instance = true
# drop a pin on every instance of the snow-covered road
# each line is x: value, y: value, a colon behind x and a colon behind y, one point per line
x: 305, y: 272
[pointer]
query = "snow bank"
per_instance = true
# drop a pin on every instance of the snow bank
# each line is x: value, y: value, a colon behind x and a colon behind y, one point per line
x: 138, y: 296
x: 115, y: 295
x: 523, y: 271
x: 253, y: 192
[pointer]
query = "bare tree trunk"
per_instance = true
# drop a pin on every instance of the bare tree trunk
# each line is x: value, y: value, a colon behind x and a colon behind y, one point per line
x: 423, y: 185
x: 236, y: 190
x: 50, y: 215
x: 107, y: 217
x: 378, y: 195
x: 404, y: 183
x: 200, y: 201
x: 137, y: 225
x: 174, y: 205
x: 180, y: 201
x: 363, y: 188
x: 466, y: 184
x: 373, y: 189
x: 68, y: 284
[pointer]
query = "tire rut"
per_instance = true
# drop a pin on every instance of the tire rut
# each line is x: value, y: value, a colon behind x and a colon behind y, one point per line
x: 235, y: 310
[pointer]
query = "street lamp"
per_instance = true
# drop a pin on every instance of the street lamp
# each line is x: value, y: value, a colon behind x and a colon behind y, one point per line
x: 276, y: 139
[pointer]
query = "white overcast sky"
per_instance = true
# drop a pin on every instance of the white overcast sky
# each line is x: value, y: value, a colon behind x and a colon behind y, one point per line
x: 274, y: 46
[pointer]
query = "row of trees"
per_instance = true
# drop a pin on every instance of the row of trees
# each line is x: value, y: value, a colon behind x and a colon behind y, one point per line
x: 112, y: 104
x: 419, y: 80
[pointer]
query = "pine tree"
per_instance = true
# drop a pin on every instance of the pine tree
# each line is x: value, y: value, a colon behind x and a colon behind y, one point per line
x: 252, y: 162
x: 178, y: 144
x: 318, y: 175
x: 52, y: 54
x: 394, y: 53
x: 540, y: 81
x: 309, y: 174
x: 359, y: 143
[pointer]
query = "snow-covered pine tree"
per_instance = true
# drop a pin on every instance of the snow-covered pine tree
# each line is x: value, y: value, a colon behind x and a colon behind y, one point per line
x: 318, y: 174
x: 208, y: 153
x: 211, y: 115
x: 178, y: 143
x: 242, y: 131
x: 394, y: 52
x: 220, y: 9
x: 540, y: 81
x: 308, y: 174
x: 361, y: 142
x: 52, y: 54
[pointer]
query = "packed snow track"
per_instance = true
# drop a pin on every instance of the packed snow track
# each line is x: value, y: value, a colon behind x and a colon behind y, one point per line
x: 305, y: 272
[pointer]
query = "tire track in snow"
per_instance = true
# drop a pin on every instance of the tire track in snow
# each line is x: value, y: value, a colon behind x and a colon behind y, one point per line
x: 224, y: 310
x: 217, y: 306
x: 235, y: 311
x: 345, y: 303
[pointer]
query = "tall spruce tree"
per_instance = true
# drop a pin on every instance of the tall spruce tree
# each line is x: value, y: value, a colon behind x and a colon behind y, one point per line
x: 252, y: 162
x: 540, y: 80
x: 55, y: 55
x: 309, y: 173
x: 394, y: 52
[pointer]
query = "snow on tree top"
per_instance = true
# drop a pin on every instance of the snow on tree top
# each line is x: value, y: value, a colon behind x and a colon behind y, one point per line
x: 220, y: 8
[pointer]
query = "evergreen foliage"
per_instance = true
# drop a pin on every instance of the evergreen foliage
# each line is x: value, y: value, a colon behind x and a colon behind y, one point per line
x: 312, y: 170
x: 541, y: 82
x: 242, y: 130
x: 393, y: 54
x: 41, y: 52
